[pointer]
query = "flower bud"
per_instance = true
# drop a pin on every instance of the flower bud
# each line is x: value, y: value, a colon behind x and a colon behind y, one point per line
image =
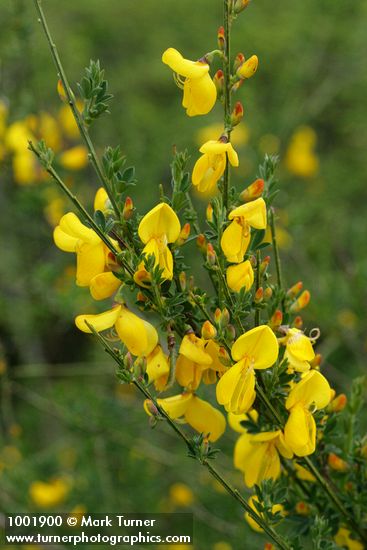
x: 128, y: 361
x: 268, y: 293
x: 252, y: 260
x: 230, y: 333
x: 221, y: 38
x: 218, y: 80
x: 239, y: 60
x: 150, y: 408
x: 237, y: 114
x: 248, y: 68
x: 128, y: 209
x: 208, y: 331
x: 336, y: 463
x: 201, y: 243
x: 298, y: 322
x: 269, y: 546
x: 302, y: 508
x: 140, y: 297
x: 240, y: 5
x: 183, y: 280
x: 253, y: 191
x: 338, y: 403
x: 224, y: 357
x: 276, y: 320
x: 301, y: 302
x: 259, y: 295
x: 211, y: 256
x: 191, y: 282
x: 184, y: 234
x: 264, y: 265
x: 295, y: 289
x: 209, y: 213
x: 217, y: 316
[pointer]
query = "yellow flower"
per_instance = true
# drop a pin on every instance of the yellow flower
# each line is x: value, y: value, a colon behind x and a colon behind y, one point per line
x: 67, y: 121
x: 199, y: 91
x: 236, y: 237
x: 73, y: 236
x: 101, y: 200
x: 256, y: 349
x: 240, y: 276
x: 301, y: 159
x: 192, y: 361
x: 300, y: 429
x: 159, y: 227
x: 210, y: 167
x: 304, y: 474
x: 181, y: 495
x: 198, y: 413
x: 299, y: 351
x: 257, y: 455
x: 252, y: 523
x: 139, y: 336
x: 342, y: 538
x: 75, y: 158
x: 25, y: 168
x: 158, y: 368
x: 50, y: 493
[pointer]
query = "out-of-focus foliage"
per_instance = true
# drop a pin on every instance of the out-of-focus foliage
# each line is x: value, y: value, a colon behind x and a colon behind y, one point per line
x: 307, y: 104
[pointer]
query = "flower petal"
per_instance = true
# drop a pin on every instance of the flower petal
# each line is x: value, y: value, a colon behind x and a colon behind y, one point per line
x: 300, y: 431
x: 205, y: 419
x: 90, y: 261
x: 139, y: 336
x: 259, y: 345
x: 253, y: 212
x: 313, y: 388
x: 182, y: 66
x: 99, y: 322
x: 176, y: 405
x: 159, y: 221
x: 103, y: 285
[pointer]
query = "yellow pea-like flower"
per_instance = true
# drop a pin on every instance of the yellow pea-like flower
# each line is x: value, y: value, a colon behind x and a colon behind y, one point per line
x: 299, y: 351
x: 75, y: 158
x: 158, y: 368
x: 248, y: 68
x: 344, y: 540
x: 257, y: 455
x: 240, y: 276
x: 199, y: 414
x: 139, y: 336
x: 236, y: 237
x: 47, y: 494
x: 159, y: 227
x: 199, y: 91
x: 256, y: 349
x: 300, y: 429
x: 209, y: 168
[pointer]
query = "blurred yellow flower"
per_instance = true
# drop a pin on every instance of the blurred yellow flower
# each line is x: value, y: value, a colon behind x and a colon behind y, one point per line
x: 221, y: 545
x: 75, y: 158
x: 199, y: 91
x: 67, y: 120
x: 48, y: 494
x: 343, y: 538
x: 304, y: 474
x: 301, y: 159
x: 181, y: 495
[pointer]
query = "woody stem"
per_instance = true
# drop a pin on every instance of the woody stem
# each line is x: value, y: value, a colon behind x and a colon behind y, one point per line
x: 227, y: 4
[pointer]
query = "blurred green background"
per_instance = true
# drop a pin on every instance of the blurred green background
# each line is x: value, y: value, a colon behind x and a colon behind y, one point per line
x: 63, y: 415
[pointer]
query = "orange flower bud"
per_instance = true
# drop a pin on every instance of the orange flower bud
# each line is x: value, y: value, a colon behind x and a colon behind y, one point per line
x: 259, y: 295
x: 295, y: 289
x: 218, y: 80
x: 338, y: 403
x: 128, y: 208
x: 302, y: 301
x: 184, y: 234
x: 237, y: 114
x: 276, y: 320
x: 140, y: 297
x: 217, y: 315
x: 268, y: 293
x: 298, y: 322
x: 208, y: 331
x: 269, y: 546
x: 201, y: 243
x: 336, y: 463
x: 240, y: 5
x: 209, y: 213
x: 248, y: 68
x: 224, y: 356
x: 264, y: 265
x: 221, y: 38
x: 211, y: 256
x: 61, y: 91
x: 253, y: 191
x: 183, y: 280
x: 239, y: 60
x: 302, y: 508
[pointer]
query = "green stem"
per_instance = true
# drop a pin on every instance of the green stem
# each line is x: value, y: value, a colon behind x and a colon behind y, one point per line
x: 92, y: 155
x: 227, y: 4
x: 275, y: 248
x: 257, y: 286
